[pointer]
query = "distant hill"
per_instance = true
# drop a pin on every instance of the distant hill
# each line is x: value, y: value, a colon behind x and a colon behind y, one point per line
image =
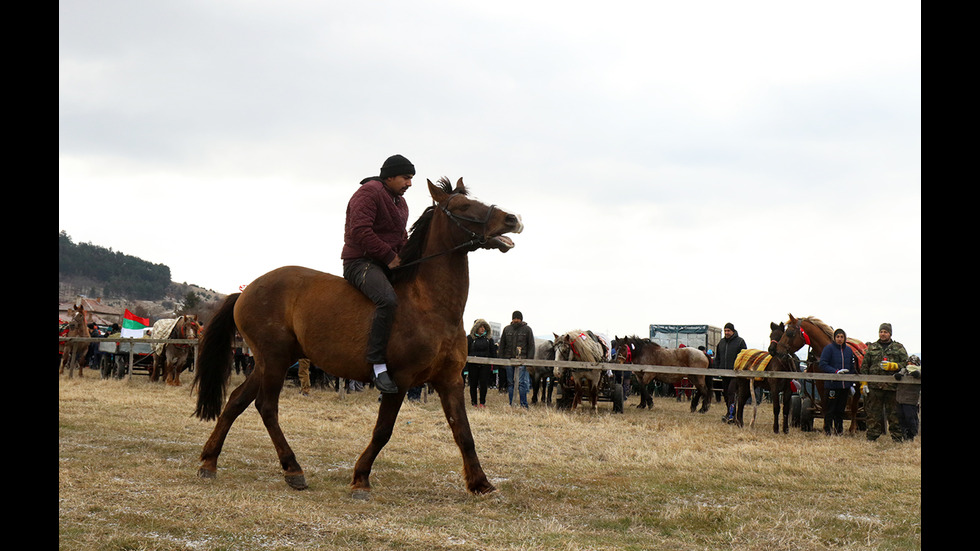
x: 120, y: 279
x: 113, y: 273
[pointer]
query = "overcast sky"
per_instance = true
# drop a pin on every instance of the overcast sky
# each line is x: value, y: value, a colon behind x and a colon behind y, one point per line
x: 693, y: 162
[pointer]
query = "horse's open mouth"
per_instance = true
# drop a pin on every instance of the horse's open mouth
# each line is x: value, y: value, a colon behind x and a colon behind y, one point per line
x: 500, y: 242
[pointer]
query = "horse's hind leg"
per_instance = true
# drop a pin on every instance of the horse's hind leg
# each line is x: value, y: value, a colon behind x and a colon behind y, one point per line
x: 239, y: 399
x: 702, y: 389
x: 267, y: 403
x: 387, y: 413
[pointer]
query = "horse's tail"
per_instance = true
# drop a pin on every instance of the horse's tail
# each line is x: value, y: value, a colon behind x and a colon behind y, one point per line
x: 214, y: 361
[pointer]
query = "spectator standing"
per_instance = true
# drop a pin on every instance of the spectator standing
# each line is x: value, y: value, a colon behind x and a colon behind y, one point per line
x: 883, y: 357
x: 304, y: 376
x: 837, y: 357
x: 725, y: 352
x: 480, y: 344
x: 907, y: 396
x: 517, y: 342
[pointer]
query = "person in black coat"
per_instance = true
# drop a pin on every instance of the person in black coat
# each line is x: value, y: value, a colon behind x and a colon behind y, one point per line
x: 725, y: 353
x: 481, y: 345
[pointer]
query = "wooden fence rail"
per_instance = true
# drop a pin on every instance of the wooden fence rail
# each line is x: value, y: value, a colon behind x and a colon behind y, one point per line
x: 697, y: 370
x: 585, y: 365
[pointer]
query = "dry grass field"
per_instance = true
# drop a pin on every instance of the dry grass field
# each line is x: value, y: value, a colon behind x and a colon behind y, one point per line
x: 661, y: 479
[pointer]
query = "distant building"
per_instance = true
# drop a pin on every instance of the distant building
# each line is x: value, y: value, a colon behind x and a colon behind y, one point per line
x: 98, y: 313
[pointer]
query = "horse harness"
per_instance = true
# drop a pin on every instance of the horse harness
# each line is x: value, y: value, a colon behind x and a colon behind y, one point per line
x: 182, y: 333
x: 475, y: 238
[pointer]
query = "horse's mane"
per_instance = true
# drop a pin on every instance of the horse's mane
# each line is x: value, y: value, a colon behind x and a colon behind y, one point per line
x: 413, y: 249
x: 638, y: 342
x: 828, y: 330
x: 589, y: 349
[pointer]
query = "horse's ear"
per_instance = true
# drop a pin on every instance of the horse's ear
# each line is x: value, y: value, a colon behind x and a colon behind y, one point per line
x: 438, y: 195
x: 791, y: 318
x: 772, y: 325
x: 460, y: 188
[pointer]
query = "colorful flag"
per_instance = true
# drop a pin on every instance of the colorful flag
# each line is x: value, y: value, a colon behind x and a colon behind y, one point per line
x: 133, y: 326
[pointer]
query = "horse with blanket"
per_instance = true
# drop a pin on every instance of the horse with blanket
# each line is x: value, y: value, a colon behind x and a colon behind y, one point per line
x: 779, y: 388
x: 582, y: 346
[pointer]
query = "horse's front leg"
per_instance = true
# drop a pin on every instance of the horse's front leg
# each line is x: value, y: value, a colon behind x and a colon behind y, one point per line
x: 787, y: 402
x: 387, y: 414
x: 852, y: 405
x: 775, y: 413
x: 454, y: 408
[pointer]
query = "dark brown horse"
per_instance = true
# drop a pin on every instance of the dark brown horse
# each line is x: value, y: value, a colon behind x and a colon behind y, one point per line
x: 542, y: 376
x: 173, y: 358
x: 74, y: 353
x: 773, y: 385
x: 294, y: 312
x: 633, y: 350
x: 817, y: 334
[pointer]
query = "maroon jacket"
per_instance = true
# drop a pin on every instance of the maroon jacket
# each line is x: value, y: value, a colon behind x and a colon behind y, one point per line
x: 376, y: 222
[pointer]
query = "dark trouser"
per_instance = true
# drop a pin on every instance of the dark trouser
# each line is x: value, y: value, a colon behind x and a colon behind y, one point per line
x: 372, y: 279
x: 909, y: 415
x: 479, y: 378
x: 836, y: 408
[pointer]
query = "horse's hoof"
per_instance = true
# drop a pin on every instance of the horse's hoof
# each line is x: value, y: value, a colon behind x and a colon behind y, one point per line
x: 205, y: 473
x: 484, y: 490
x: 361, y: 494
x: 296, y: 481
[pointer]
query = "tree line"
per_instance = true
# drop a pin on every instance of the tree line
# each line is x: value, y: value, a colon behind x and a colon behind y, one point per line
x: 120, y: 275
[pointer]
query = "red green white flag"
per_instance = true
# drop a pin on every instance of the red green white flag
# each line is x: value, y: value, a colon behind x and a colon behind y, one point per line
x: 133, y: 326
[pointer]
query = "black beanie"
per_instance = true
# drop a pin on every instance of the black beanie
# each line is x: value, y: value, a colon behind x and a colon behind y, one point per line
x: 517, y: 315
x: 396, y: 165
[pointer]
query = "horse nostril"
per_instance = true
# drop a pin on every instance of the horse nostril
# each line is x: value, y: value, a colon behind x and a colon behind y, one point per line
x: 515, y: 221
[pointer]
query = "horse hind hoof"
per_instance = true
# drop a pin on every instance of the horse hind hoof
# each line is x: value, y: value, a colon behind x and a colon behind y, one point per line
x: 296, y: 481
x: 361, y: 494
x: 206, y: 473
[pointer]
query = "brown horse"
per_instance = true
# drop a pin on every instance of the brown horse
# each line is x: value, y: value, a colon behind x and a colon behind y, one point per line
x: 633, y: 350
x: 74, y: 353
x: 294, y: 312
x: 817, y: 334
x: 173, y: 358
x: 773, y: 385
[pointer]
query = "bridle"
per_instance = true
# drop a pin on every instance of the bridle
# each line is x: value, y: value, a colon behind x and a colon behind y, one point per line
x: 789, y: 333
x: 475, y: 238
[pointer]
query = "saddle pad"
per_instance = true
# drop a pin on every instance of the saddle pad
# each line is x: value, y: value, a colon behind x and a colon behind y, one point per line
x: 751, y: 359
x: 859, y: 349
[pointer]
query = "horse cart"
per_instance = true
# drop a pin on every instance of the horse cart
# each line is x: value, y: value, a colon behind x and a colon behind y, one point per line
x: 115, y: 357
x: 609, y: 391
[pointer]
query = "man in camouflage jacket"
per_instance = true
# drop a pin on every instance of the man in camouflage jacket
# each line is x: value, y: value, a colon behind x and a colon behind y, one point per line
x: 883, y: 357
